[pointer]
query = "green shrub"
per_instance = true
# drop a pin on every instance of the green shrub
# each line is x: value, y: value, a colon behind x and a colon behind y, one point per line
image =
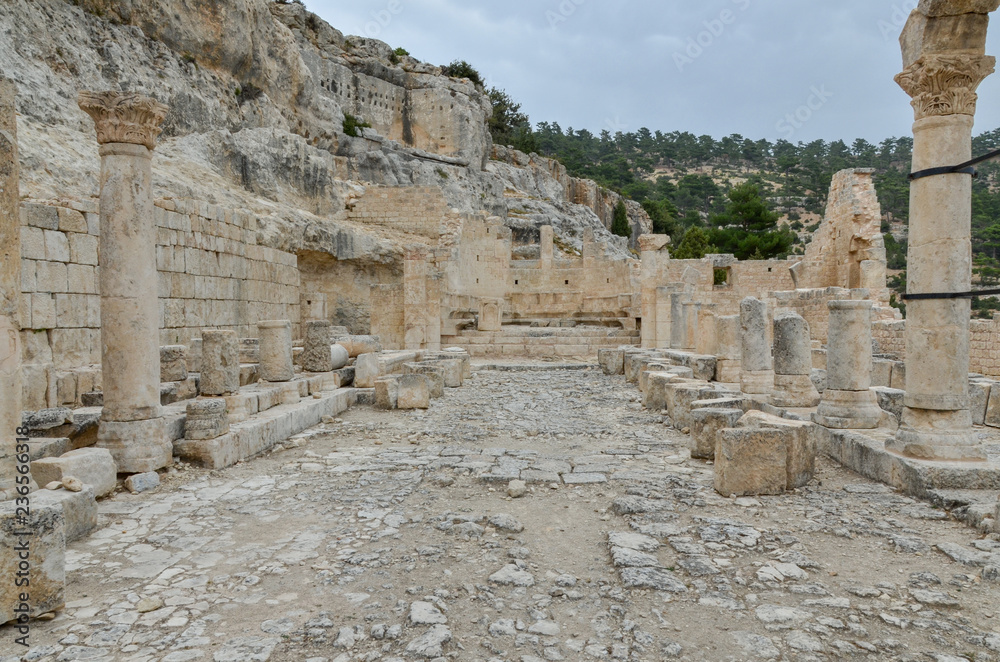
x: 352, y: 124
x: 462, y: 69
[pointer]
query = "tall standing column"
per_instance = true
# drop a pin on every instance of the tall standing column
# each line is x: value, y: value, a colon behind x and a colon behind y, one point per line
x: 10, y: 290
x: 793, y: 363
x: 944, y: 62
x: 131, y: 427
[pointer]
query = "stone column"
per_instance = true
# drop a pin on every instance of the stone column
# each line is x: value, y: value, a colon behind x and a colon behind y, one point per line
x: 276, y: 350
x: 691, y: 312
x: 316, y: 355
x: 944, y: 62
x: 707, y: 343
x: 10, y: 290
x: 729, y: 349
x: 756, y: 368
x: 793, y: 363
x: 131, y: 424
x: 220, y: 362
x: 650, y: 255
x: 678, y: 323
x: 848, y: 402
x: 546, y: 243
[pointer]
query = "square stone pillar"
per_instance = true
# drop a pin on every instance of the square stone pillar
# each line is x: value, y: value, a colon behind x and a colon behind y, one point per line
x: 10, y: 290
x: 944, y: 61
x: 546, y: 242
x: 131, y: 424
x: 651, y: 254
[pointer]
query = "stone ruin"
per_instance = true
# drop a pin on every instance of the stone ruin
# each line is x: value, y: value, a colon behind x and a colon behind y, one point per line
x: 200, y: 338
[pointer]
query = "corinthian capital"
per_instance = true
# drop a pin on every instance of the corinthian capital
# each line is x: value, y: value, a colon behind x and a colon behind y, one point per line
x: 945, y: 83
x: 124, y: 118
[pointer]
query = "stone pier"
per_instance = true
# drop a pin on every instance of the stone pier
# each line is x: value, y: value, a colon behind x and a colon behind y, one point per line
x: 220, y: 362
x: 276, y: 350
x: 678, y: 320
x: 316, y: 355
x: 10, y: 290
x: 848, y: 402
x: 944, y: 62
x: 131, y: 424
x: 793, y: 386
x: 757, y: 366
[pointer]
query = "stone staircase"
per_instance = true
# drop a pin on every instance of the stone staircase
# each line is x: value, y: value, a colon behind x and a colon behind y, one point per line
x: 541, y: 342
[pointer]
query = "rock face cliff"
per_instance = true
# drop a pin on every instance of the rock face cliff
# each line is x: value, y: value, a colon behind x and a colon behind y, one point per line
x: 258, y: 92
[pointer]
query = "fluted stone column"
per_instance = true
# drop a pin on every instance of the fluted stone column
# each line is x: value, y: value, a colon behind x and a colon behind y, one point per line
x: 944, y: 62
x: 757, y: 367
x: 316, y: 355
x: 10, y: 290
x: 131, y: 424
x: 220, y: 362
x: 276, y: 350
x: 848, y: 403
x: 729, y: 349
x: 793, y: 363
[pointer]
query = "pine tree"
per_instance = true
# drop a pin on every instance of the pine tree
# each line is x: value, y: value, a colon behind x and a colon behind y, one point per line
x: 619, y: 224
x: 694, y: 246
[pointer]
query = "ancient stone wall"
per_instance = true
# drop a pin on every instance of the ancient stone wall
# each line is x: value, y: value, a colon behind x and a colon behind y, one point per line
x: 984, y: 343
x: 422, y: 211
x: 212, y: 274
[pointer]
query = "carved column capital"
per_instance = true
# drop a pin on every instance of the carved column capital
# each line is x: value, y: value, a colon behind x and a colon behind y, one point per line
x: 124, y: 117
x: 945, y: 84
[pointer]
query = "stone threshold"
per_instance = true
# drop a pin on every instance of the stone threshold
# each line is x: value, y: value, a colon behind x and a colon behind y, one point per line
x: 263, y: 431
x: 533, y: 367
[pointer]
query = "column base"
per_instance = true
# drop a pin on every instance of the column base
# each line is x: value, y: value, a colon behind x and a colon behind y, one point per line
x: 848, y: 410
x: 137, y: 446
x: 927, y: 434
x: 757, y: 383
x: 794, y: 391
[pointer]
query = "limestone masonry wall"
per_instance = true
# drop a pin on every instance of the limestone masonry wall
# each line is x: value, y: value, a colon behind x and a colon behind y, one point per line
x: 212, y: 275
x: 418, y: 210
x: 984, y: 343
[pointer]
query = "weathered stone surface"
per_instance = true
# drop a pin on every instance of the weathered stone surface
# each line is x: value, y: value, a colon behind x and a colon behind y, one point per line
x: 655, y: 397
x: 94, y: 466
x: 979, y: 397
x: 316, y: 356
x: 338, y: 356
x: 143, y: 482
x: 890, y: 400
x: 414, y: 392
x: 11, y: 392
x: 756, y: 351
x: 800, y: 439
x: 46, y: 562
x: 79, y: 509
x: 751, y: 461
x: 207, y: 418
x: 358, y: 345
x: 705, y: 426
x: 433, y: 373
x: 220, y: 362
x: 793, y: 363
x: 173, y: 363
x: 275, y: 351
x: 454, y: 371
x: 612, y: 361
x: 387, y: 392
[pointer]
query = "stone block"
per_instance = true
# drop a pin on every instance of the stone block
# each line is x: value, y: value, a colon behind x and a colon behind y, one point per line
x: 891, y: 400
x: 979, y: 397
x: 655, y: 397
x: 612, y: 361
x: 648, y: 369
x: 387, y: 392
x: 94, y: 466
x: 173, y: 363
x: 220, y: 362
x: 702, y: 366
x: 79, y: 509
x: 40, y: 447
x: 818, y: 378
x: 414, y: 392
x: 366, y: 370
x: 47, y: 562
x: 751, y: 461
x: 882, y: 372
x: 898, y: 378
x: 632, y: 366
x: 705, y: 426
x: 679, y: 399
x: 454, y: 371
x: 433, y: 373
x: 143, y: 482
x: 800, y: 438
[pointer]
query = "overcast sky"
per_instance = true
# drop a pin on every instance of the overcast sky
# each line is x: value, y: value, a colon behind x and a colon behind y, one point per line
x: 713, y: 67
